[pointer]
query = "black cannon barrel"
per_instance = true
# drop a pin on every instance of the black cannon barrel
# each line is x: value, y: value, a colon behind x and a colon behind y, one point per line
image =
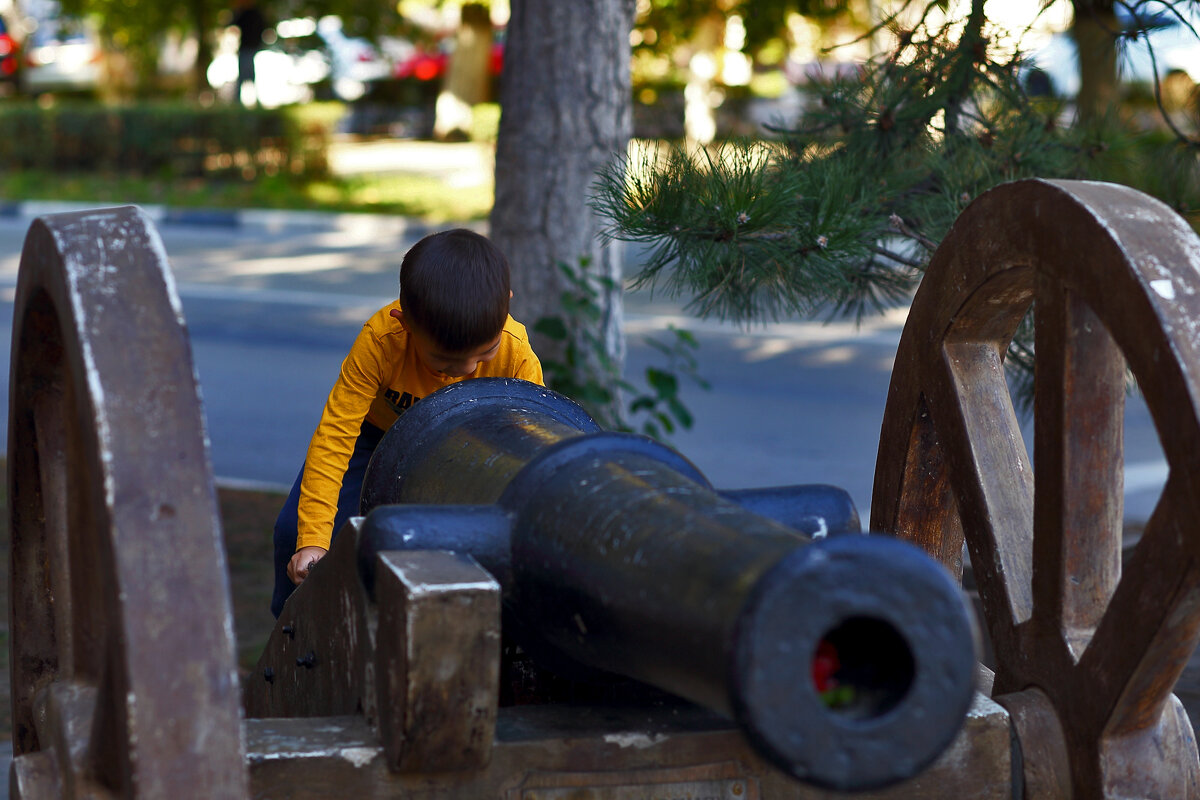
x: 849, y: 661
x: 815, y: 509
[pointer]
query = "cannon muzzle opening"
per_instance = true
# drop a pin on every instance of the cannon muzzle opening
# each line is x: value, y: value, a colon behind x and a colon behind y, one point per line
x: 851, y: 662
x: 862, y: 668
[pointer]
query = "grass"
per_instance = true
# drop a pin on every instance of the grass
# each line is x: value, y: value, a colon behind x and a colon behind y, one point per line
x: 428, y: 197
x: 247, y: 519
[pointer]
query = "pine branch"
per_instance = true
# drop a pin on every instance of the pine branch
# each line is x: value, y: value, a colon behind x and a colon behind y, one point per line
x: 894, y: 256
x: 898, y: 225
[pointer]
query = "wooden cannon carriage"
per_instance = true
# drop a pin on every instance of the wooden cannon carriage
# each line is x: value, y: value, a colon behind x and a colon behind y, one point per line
x: 124, y: 681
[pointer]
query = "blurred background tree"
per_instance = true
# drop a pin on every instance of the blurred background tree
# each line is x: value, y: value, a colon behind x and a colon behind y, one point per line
x: 717, y: 45
x: 838, y: 211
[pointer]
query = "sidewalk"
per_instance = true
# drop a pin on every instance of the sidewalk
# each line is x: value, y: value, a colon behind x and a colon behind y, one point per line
x: 459, y: 163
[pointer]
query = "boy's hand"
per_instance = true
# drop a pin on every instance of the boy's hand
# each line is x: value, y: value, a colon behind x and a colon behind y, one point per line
x: 303, y: 561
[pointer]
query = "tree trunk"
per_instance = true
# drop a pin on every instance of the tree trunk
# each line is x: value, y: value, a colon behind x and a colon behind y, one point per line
x: 566, y: 110
x: 204, y: 54
x: 699, y: 102
x: 1094, y: 32
x: 467, y: 75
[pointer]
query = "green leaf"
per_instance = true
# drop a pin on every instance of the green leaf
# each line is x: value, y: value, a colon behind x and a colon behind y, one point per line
x: 685, y: 337
x: 664, y: 383
x: 680, y: 412
x: 552, y: 327
x: 595, y: 394
x: 643, y: 403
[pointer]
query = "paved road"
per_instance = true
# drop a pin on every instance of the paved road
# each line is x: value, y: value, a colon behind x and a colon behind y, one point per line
x: 272, y: 312
x: 272, y: 308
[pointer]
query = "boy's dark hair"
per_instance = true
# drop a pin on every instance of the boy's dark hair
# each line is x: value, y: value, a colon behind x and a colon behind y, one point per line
x: 454, y: 286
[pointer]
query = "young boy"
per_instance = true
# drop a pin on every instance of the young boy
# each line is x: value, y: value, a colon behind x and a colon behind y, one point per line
x: 451, y: 323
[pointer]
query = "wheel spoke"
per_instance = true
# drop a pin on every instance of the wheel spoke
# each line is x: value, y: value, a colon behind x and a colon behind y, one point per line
x: 992, y: 479
x: 1078, y: 455
x: 1103, y: 642
x: 52, y: 472
x: 36, y: 473
x: 1152, y: 624
x: 923, y: 510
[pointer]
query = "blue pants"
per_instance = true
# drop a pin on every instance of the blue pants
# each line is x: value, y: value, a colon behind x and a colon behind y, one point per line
x: 347, y: 506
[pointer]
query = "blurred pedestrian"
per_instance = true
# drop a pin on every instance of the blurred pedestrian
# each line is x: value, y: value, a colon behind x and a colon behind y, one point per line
x: 251, y: 25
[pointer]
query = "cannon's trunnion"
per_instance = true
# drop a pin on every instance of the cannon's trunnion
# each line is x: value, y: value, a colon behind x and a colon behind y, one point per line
x: 535, y: 609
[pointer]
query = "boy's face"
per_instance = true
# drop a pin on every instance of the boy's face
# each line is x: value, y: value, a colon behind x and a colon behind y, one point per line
x: 433, y: 356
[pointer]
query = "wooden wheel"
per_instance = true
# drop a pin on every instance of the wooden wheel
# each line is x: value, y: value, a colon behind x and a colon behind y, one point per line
x: 123, y: 667
x: 1087, y: 654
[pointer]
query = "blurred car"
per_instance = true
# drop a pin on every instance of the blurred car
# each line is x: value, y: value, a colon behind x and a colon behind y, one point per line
x: 9, y: 56
x: 286, y: 70
x: 303, y: 53
x: 422, y: 63
x: 355, y: 62
x: 429, y: 62
x: 61, y: 55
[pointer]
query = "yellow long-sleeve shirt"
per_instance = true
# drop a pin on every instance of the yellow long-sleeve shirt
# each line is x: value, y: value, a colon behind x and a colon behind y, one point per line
x: 380, y: 379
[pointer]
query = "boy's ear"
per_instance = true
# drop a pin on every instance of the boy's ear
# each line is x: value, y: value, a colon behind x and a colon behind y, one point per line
x: 398, y: 315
